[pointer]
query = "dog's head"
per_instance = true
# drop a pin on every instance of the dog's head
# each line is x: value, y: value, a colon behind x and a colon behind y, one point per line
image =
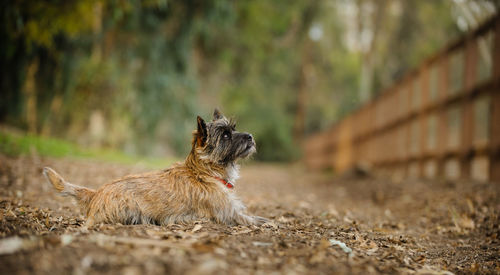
x: 219, y: 142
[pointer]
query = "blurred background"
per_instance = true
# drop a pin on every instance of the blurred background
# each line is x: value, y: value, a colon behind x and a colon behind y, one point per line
x: 131, y: 76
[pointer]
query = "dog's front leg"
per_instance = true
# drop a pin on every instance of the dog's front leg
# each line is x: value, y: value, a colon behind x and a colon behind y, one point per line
x: 232, y: 215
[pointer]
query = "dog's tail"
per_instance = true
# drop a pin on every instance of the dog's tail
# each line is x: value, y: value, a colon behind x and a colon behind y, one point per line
x: 82, y: 194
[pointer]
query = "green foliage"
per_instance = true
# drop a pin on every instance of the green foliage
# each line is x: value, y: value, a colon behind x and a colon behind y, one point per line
x: 39, y: 22
x: 147, y: 68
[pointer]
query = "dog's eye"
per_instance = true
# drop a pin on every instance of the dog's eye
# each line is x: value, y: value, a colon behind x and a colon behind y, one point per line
x: 226, y: 135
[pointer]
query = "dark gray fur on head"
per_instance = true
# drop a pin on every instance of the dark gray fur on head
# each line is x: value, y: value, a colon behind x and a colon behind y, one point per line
x: 219, y: 142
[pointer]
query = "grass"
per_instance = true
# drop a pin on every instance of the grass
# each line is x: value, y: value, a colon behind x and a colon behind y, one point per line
x: 15, y: 144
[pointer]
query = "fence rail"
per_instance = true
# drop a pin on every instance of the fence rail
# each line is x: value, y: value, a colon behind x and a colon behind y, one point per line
x: 441, y: 120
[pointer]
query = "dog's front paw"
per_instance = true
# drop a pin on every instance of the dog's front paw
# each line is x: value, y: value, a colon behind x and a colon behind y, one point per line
x: 251, y: 220
x: 260, y: 220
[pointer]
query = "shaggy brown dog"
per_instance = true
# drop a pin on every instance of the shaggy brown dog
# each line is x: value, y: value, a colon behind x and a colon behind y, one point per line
x: 198, y: 188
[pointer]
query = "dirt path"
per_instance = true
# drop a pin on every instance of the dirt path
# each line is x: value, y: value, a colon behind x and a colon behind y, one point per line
x: 407, y: 227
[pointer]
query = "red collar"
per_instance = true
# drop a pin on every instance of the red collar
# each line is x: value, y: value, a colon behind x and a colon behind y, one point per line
x: 226, y: 183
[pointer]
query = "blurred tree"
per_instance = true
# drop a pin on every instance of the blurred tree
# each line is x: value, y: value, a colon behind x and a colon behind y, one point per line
x: 31, y: 33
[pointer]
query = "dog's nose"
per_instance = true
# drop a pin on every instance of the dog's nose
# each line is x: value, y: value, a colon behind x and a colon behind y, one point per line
x: 249, y: 137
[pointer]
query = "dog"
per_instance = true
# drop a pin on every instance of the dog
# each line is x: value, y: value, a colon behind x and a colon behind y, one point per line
x: 199, y: 188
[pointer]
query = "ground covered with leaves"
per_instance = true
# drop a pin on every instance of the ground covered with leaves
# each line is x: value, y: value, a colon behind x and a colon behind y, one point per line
x: 320, y: 224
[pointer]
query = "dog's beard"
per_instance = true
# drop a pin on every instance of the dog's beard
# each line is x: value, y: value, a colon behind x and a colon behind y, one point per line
x: 247, y: 150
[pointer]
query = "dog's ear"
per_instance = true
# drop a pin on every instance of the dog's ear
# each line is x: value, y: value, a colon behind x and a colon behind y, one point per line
x: 217, y: 114
x: 201, y: 135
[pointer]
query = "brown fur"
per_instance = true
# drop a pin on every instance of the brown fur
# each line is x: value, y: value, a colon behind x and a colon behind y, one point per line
x: 185, y: 192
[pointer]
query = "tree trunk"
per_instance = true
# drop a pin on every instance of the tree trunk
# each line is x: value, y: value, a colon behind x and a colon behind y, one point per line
x: 368, y: 52
x: 301, y: 104
x: 30, y: 96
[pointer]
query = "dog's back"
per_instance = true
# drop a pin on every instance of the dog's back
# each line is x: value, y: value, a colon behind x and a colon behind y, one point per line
x: 173, y: 195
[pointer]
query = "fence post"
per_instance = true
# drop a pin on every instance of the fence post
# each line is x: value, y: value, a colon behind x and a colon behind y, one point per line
x: 495, y: 109
x: 465, y: 153
x: 442, y: 118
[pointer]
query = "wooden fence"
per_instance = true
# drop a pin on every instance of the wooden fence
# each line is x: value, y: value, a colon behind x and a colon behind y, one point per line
x: 441, y: 120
